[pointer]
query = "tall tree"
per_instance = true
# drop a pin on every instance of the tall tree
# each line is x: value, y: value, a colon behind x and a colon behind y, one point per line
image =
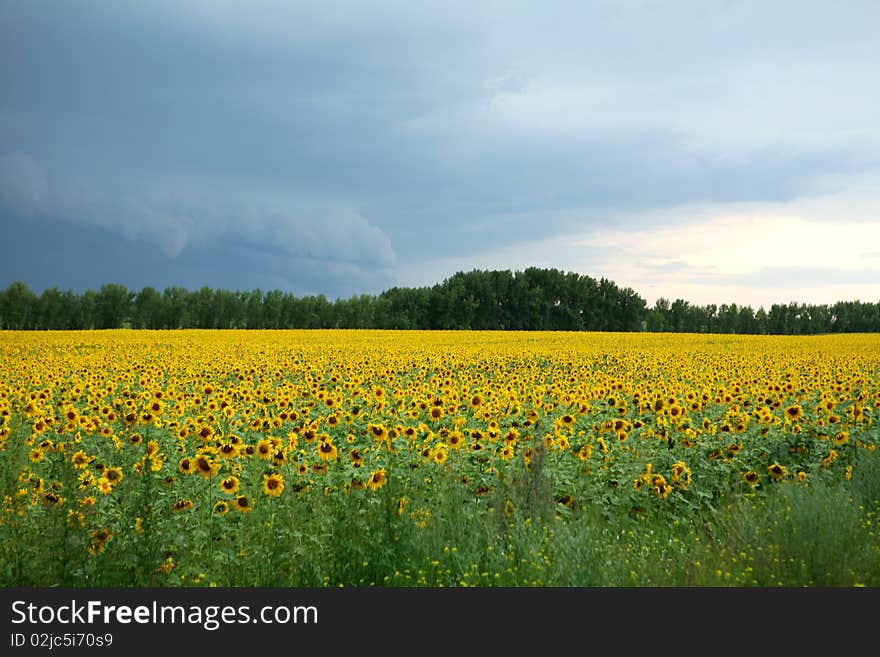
x: 148, y: 311
x: 176, y: 304
x: 52, y: 311
x: 19, y: 307
x: 113, y: 305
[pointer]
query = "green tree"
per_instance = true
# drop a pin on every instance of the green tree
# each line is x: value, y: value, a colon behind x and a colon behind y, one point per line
x: 228, y: 310
x: 273, y: 302
x: 148, y: 311
x: 113, y: 305
x: 52, y: 311
x: 19, y: 310
x: 202, y: 309
x: 87, y: 315
x: 176, y: 306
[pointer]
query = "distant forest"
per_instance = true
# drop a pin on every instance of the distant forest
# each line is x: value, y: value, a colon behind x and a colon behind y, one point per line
x: 530, y: 300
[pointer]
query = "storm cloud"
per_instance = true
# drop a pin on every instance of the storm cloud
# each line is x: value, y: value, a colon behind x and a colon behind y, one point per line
x: 344, y: 147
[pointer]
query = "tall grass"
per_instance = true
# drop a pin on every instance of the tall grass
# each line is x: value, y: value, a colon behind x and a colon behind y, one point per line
x: 824, y: 534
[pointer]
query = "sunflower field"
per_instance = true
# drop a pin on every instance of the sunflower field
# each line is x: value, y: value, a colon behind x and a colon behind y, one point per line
x: 434, y: 458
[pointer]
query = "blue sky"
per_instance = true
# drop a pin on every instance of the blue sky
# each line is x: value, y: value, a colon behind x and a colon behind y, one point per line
x: 716, y: 151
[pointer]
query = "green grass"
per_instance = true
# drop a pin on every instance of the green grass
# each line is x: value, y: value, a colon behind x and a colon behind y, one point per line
x: 816, y: 534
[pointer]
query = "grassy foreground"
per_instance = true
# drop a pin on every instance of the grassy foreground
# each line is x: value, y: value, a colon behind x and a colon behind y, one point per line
x: 379, y: 458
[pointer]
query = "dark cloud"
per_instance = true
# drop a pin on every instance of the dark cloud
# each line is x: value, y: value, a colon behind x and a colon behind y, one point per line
x: 90, y: 256
x: 364, y: 138
x: 23, y: 187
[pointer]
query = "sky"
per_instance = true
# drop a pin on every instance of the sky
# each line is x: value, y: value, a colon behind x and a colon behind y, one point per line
x: 717, y: 151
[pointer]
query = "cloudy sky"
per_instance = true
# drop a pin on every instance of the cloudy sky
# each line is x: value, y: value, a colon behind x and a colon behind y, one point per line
x: 715, y: 151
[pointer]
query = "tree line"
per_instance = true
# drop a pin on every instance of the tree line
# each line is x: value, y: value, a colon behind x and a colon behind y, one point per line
x: 530, y: 300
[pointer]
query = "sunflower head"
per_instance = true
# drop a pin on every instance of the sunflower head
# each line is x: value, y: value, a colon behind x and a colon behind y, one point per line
x: 751, y: 478
x: 273, y: 484
x: 327, y: 450
x: 205, y: 466
x: 230, y: 484
x: 776, y: 471
x: 378, y: 478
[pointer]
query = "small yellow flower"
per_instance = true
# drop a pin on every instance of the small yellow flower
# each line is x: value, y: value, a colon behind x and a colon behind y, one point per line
x: 166, y: 566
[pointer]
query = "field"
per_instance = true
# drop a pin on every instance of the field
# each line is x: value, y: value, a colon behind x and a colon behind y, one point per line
x: 386, y: 458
